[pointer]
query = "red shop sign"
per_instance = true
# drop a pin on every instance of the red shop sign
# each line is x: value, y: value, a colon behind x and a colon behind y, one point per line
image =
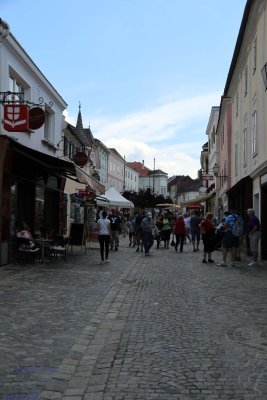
x: 80, y: 158
x: 36, y: 117
x: 16, y: 117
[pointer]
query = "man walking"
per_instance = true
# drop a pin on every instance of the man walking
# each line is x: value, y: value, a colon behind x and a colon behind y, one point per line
x: 115, y: 226
x: 148, y: 225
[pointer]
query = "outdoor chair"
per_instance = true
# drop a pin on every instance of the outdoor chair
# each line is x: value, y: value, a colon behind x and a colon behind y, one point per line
x: 59, y: 248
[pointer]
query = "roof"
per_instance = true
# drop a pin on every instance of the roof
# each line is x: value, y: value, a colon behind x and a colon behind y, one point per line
x: 185, y: 184
x: 140, y: 168
x: 238, y: 45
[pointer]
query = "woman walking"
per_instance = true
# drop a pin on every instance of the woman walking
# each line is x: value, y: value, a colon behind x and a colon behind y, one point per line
x: 180, y: 232
x: 207, y: 229
x: 104, y: 234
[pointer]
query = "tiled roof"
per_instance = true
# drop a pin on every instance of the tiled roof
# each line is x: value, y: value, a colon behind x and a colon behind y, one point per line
x: 139, y: 168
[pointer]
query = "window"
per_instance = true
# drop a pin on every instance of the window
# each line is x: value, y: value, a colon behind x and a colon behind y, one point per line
x: 49, y: 133
x: 236, y: 105
x: 254, y: 56
x: 254, y: 133
x: 16, y: 86
x: 236, y: 159
x: 246, y: 81
x: 245, y: 146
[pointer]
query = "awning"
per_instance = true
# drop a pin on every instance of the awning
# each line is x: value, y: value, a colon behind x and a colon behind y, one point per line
x: 88, y: 180
x: 200, y: 199
x: 195, y: 205
x: 52, y: 166
x: 102, y: 201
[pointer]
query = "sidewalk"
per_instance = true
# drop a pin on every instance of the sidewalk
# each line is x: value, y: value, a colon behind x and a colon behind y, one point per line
x: 161, y: 327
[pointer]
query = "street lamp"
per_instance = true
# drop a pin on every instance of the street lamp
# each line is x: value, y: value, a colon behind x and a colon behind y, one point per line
x: 210, y: 174
x: 216, y: 170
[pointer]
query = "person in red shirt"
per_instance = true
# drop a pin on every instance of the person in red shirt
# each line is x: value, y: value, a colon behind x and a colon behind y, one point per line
x: 207, y: 229
x: 179, y: 232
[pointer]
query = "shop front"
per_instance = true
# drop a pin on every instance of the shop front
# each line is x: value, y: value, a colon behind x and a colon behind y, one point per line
x: 32, y: 190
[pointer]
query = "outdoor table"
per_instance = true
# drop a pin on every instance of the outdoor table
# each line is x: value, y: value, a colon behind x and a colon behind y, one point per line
x: 44, y: 242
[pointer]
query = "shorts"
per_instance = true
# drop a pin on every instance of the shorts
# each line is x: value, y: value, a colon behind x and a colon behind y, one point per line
x: 229, y: 240
x: 254, y: 240
x: 195, y: 235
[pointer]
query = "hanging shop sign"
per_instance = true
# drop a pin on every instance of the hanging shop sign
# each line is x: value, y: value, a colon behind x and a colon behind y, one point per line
x: 36, y: 117
x: 80, y: 158
x: 16, y: 117
x: 86, y: 193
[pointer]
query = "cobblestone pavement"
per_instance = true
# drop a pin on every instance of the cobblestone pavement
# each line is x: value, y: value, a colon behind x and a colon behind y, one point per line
x: 165, y: 327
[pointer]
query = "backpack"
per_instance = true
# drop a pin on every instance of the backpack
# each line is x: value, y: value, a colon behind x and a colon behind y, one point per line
x: 238, y: 226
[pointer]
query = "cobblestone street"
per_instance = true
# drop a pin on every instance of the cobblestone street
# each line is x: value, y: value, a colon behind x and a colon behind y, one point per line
x: 164, y: 327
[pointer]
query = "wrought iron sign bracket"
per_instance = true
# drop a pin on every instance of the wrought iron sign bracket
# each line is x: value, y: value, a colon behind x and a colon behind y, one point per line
x: 18, y: 97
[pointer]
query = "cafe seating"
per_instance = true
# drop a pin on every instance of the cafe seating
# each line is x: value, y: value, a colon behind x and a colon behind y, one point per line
x: 59, y: 248
x: 25, y: 254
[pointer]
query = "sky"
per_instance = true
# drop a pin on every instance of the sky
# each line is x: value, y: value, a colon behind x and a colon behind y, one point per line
x: 146, y: 72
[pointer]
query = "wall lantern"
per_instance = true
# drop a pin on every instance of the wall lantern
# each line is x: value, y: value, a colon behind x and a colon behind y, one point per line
x: 216, y: 170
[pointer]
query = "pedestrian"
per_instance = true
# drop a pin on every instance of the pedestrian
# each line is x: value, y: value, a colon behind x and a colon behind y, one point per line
x: 158, y: 230
x: 138, y: 230
x: 187, y: 219
x: 104, y: 234
x: 25, y: 238
x: 115, y: 226
x: 207, y: 230
x: 166, y: 229
x: 254, y: 234
x: 130, y: 227
x: 229, y: 240
x: 238, y: 231
x: 179, y: 232
x: 195, y: 230
x: 148, y: 225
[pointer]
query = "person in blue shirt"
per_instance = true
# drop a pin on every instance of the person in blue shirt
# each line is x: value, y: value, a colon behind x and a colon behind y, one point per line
x: 229, y: 241
x: 254, y: 234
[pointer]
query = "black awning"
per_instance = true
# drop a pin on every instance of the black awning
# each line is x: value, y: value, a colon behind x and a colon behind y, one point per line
x: 52, y: 165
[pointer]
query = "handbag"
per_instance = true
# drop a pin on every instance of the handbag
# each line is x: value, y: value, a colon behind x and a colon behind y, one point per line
x: 172, y: 242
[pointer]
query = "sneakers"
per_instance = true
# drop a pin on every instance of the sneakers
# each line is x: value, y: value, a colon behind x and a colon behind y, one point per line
x: 253, y: 264
x: 222, y: 264
x: 102, y: 262
x: 211, y: 261
x: 107, y: 261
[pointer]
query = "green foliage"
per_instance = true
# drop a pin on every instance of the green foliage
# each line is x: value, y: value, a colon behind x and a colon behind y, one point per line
x: 145, y: 198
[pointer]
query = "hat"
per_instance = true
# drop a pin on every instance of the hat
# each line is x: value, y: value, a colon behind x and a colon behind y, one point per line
x: 149, y: 214
x: 250, y: 211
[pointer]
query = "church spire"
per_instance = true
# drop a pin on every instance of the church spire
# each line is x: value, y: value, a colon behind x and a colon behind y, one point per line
x: 79, y: 124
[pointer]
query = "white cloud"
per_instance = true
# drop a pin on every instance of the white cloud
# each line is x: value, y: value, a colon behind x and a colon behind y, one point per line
x: 167, y: 132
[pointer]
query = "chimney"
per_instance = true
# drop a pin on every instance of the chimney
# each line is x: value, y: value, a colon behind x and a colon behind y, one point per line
x: 143, y: 164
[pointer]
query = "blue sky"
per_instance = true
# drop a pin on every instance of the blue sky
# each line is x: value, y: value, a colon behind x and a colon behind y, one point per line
x: 146, y: 72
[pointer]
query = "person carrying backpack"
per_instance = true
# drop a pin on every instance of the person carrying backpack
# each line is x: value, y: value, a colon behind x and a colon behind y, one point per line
x: 229, y: 241
x: 238, y: 231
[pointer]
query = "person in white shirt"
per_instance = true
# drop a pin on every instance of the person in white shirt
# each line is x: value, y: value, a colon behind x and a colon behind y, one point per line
x: 104, y: 233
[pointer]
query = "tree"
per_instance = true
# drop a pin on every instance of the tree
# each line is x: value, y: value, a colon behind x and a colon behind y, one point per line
x: 145, y: 198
